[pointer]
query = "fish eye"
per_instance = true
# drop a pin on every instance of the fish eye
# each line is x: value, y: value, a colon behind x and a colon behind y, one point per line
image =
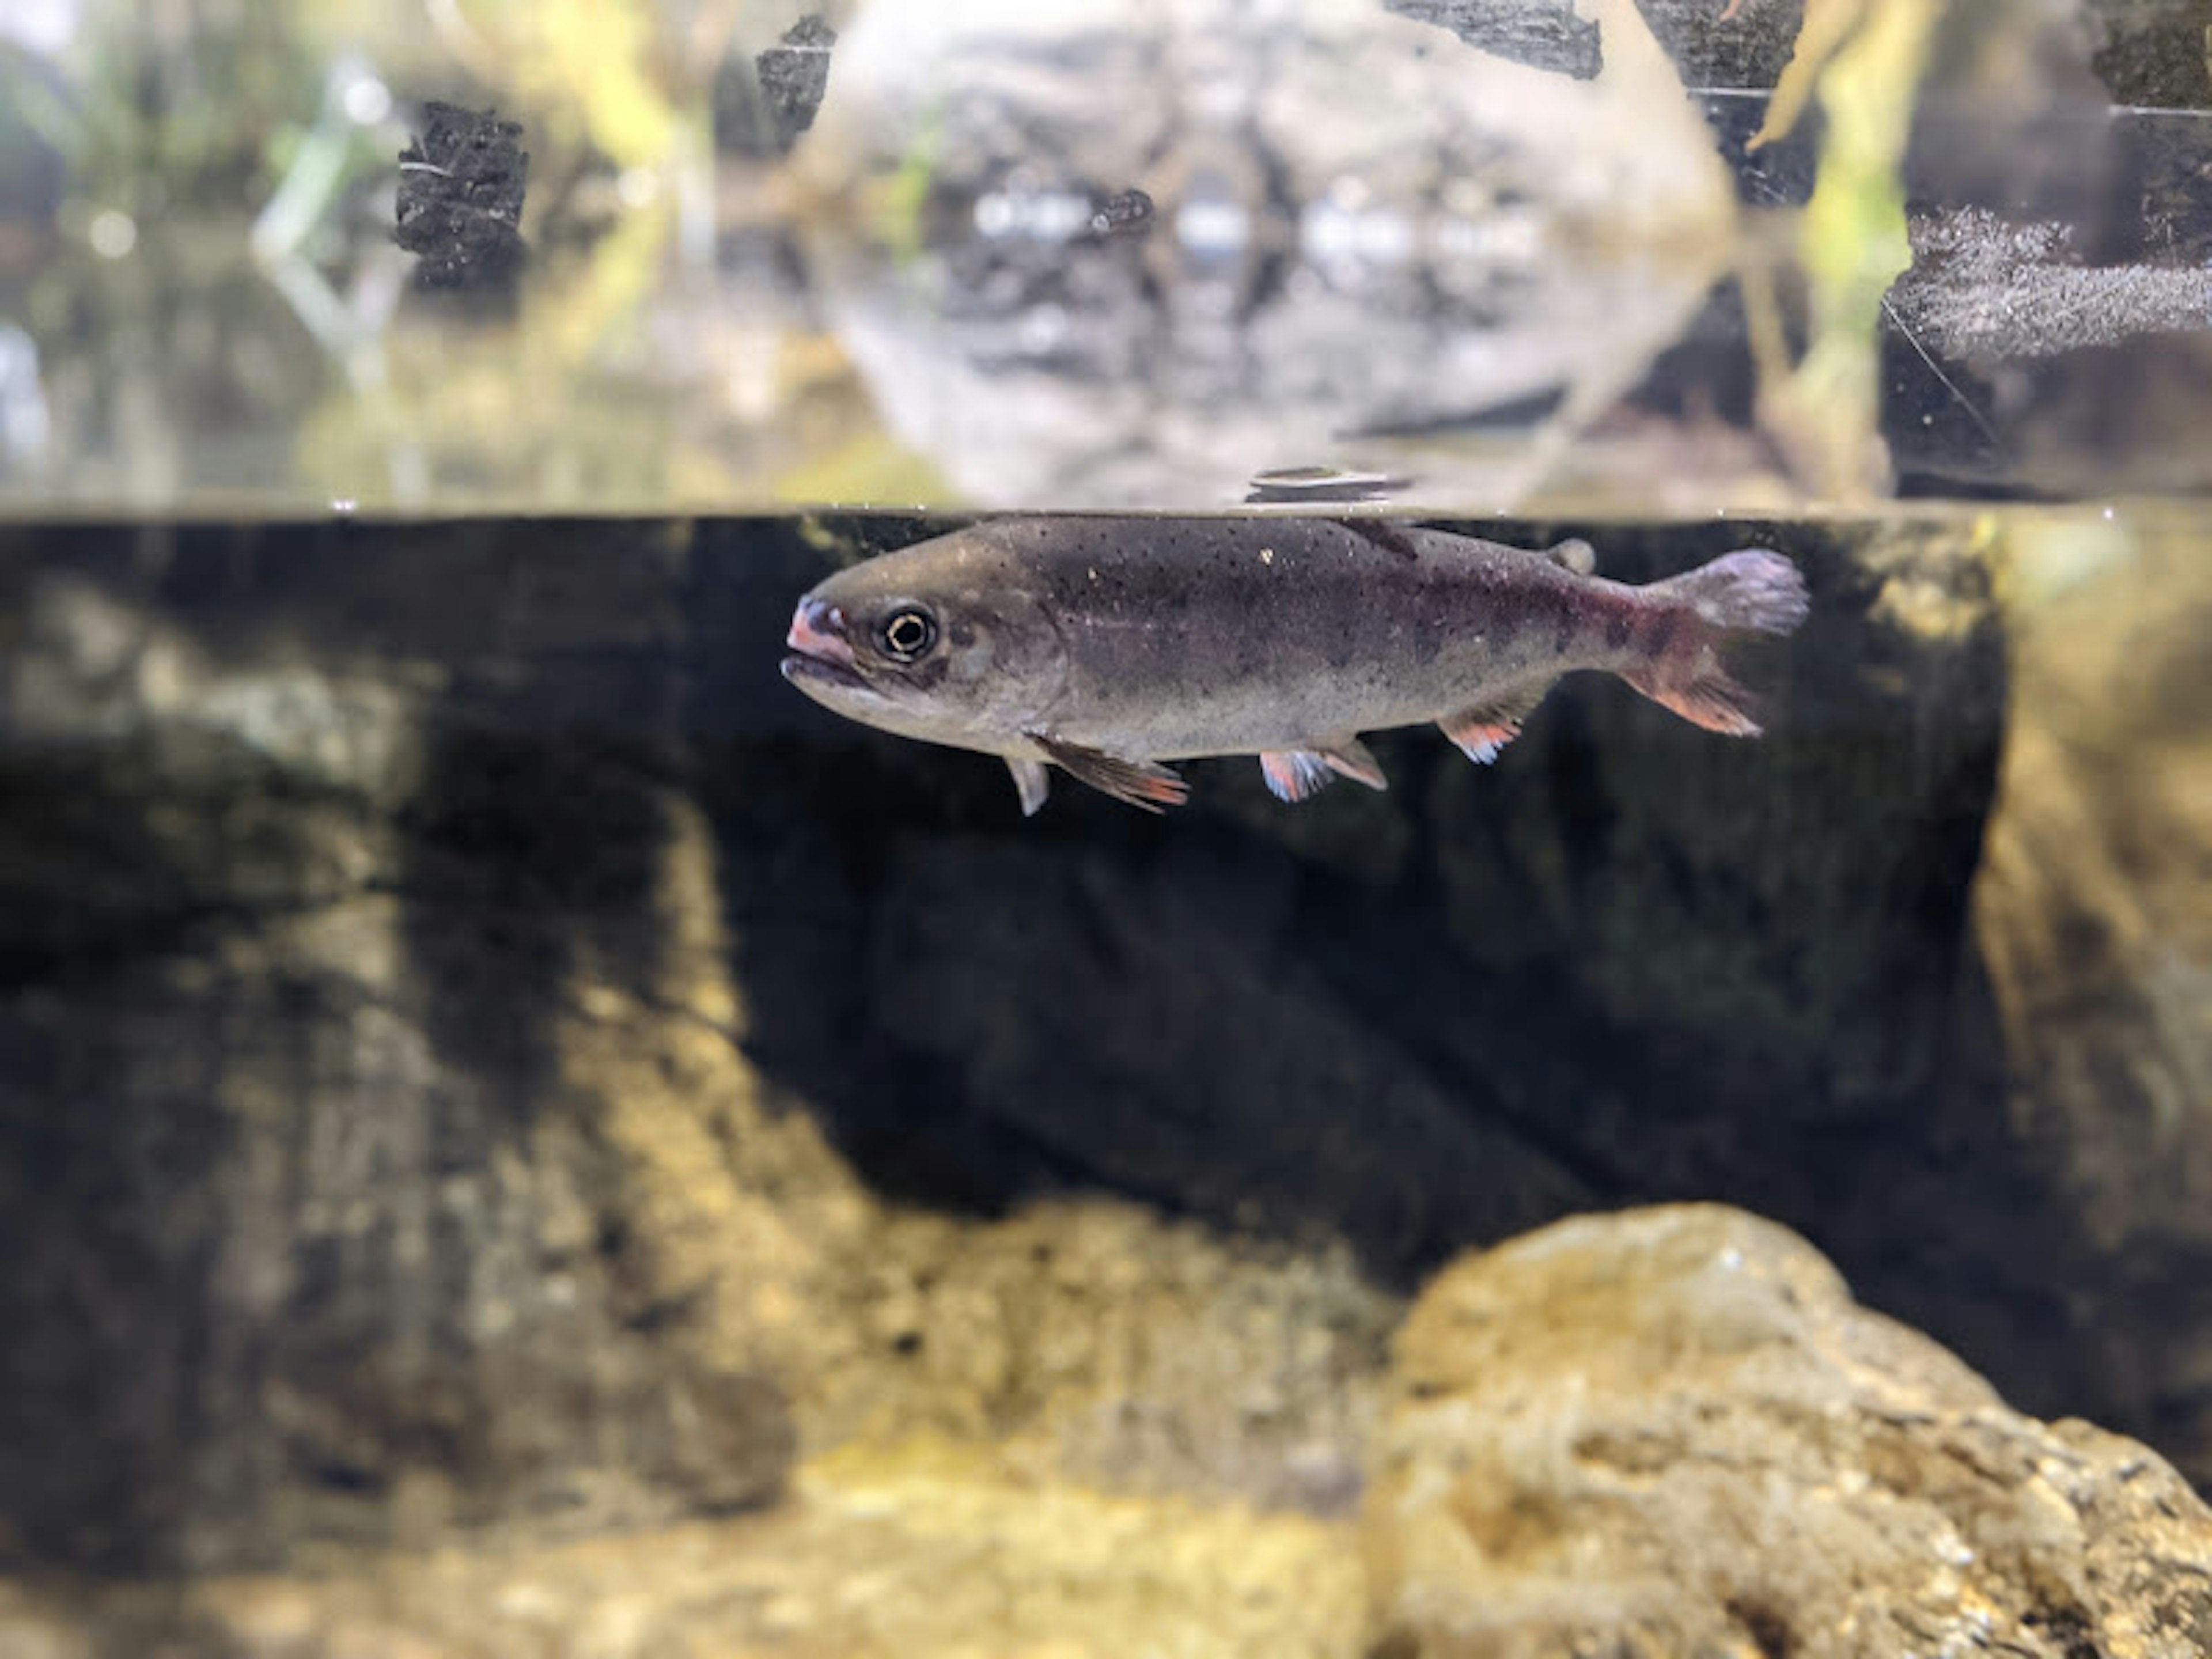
x: 907, y: 634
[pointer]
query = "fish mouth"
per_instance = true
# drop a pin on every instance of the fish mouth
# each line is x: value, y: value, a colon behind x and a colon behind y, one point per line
x: 802, y: 670
x: 820, y: 652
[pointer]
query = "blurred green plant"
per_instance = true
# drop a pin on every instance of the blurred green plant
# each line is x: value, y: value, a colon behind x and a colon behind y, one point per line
x: 179, y: 102
x: 1863, y: 60
x: 609, y: 74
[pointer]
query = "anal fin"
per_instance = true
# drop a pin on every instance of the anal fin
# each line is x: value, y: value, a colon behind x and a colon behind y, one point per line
x: 1143, y: 784
x: 1709, y: 697
x: 1482, y: 729
x: 1033, y: 781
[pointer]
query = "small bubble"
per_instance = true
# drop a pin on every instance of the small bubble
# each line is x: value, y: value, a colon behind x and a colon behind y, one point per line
x: 113, y: 234
x: 368, y: 101
x: 1043, y: 329
x: 344, y: 506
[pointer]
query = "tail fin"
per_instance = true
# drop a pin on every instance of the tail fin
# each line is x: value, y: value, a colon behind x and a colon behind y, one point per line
x: 1751, y: 592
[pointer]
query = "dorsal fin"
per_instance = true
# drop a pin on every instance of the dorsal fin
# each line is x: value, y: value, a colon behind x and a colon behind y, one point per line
x: 1381, y: 532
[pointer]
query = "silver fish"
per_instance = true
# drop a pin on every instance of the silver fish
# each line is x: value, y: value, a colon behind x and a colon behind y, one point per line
x: 1107, y: 646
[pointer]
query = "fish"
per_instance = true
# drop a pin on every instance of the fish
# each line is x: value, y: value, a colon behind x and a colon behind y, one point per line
x: 1108, y: 648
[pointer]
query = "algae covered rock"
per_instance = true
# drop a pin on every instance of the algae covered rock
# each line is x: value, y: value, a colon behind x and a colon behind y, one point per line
x: 2093, y: 912
x: 311, y: 1224
x: 1672, y: 1431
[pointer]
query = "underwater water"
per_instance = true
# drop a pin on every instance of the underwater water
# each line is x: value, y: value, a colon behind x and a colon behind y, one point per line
x: 490, y: 1060
x: 525, y: 1133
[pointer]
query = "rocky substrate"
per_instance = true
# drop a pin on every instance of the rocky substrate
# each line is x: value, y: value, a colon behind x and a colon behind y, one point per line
x: 1665, y: 1432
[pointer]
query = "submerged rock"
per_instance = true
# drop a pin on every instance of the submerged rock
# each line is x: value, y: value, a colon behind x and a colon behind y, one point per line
x: 1673, y: 1432
x: 1667, y: 1432
x: 2093, y: 912
x: 310, y: 1227
x: 925, y: 1553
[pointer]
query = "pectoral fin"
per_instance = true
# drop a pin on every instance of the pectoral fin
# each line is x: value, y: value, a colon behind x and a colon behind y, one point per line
x: 1034, y: 782
x: 1482, y: 729
x: 1144, y: 784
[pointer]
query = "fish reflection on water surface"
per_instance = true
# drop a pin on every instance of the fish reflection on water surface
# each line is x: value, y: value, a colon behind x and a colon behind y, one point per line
x: 1110, y: 646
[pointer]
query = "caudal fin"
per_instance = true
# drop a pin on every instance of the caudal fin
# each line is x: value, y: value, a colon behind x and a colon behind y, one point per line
x: 1755, y: 591
x: 1751, y: 592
